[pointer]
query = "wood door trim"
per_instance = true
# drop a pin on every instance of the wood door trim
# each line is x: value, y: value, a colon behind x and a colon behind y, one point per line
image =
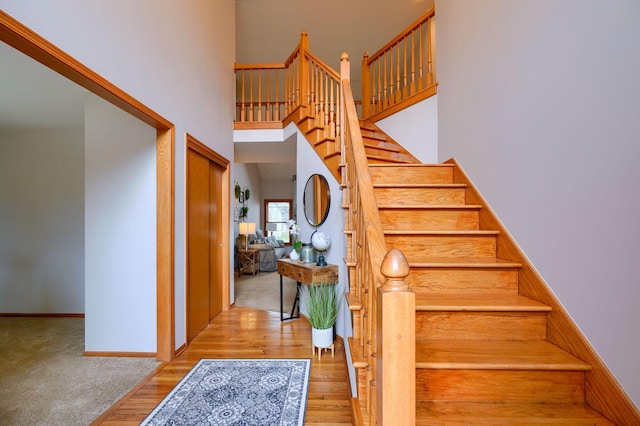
x: 225, y: 206
x: 20, y: 37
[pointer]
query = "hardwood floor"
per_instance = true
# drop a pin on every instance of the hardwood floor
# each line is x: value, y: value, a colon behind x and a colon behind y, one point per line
x: 248, y: 333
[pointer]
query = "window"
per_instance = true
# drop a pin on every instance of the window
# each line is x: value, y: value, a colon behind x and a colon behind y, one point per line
x: 278, y: 212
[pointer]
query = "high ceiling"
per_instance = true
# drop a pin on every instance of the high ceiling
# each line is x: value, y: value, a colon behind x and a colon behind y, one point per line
x: 32, y: 96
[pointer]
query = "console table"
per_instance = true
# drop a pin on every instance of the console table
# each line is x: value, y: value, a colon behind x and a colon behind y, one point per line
x: 303, y: 273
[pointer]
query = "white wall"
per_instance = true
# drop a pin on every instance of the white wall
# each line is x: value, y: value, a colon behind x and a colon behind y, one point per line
x: 538, y: 100
x: 416, y: 129
x: 175, y: 57
x: 120, y: 230
x: 42, y: 221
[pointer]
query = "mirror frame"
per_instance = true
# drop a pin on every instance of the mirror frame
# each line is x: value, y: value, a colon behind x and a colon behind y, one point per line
x: 310, y: 205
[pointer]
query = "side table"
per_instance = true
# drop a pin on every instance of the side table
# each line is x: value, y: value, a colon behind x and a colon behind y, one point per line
x: 248, y: 262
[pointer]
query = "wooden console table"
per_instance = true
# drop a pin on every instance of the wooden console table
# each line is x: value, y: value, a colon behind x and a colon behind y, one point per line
x: 303, y: 273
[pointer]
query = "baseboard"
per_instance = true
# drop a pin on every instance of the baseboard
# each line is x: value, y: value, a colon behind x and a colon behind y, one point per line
x: 128, y: 395
x: 179, y: 351
x: 122, y: 354
x: 40, y: 315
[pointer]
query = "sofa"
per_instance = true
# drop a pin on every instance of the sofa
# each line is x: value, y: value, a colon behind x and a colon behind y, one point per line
x: 270, y: 249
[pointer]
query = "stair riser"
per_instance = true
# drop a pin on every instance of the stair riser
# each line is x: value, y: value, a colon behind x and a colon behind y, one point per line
x: 416, y: 247
x: 381, y: 152
x: 408, y: 196
x: 463, y: 281
x: 481, y: 325
x: 308, y: 124
x: 502, y: 386
x: 379, y: 144
x: 419, y: 175
x: 429, y: 219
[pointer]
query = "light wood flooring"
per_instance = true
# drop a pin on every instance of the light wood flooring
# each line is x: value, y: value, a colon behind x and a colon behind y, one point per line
x: 248, y: 333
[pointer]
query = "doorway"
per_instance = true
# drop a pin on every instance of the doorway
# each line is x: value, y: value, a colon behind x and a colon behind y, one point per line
x: 207, y: 286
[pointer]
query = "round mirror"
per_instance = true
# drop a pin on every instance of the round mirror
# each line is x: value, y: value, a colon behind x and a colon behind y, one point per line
x: 316, y: 200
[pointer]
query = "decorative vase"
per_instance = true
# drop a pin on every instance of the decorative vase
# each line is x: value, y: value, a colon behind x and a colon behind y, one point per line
x: 293, y: 255
x: 322, y: 338
x: 307, y: 253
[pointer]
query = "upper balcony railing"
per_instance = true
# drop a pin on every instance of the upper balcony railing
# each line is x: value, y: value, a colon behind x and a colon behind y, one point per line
x: 267, y: 94
x: 402, y: 72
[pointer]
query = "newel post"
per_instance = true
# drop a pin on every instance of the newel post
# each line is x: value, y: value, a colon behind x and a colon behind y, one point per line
x: 366, y: 87
x: 304, y: 70
x: 396, y: 366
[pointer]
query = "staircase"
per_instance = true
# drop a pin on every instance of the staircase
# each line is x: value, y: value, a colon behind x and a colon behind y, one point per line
x: 482, y: 354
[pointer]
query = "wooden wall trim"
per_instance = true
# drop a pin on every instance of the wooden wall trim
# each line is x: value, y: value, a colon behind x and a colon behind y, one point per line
x: 602, y: 390
x: 33, y: 45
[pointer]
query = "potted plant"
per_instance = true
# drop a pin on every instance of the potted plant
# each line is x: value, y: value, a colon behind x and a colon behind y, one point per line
x: 322, y: 311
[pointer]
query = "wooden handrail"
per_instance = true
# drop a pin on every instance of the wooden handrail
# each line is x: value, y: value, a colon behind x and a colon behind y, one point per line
x: 323, y: 65
x: 421, y: 20
x: 386, y: 304
x: 402, y: 72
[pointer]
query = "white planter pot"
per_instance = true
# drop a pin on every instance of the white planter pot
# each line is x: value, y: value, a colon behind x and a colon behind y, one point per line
x: 293, y: 255
x: 322, y: 338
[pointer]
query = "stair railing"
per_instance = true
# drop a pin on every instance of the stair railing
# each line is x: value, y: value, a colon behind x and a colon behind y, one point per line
x: 268, y: 95
x: 384, y: 326
x: 402, y: 72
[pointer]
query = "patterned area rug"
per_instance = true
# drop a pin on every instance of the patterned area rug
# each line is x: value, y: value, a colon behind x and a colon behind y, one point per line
x: 237, y: 392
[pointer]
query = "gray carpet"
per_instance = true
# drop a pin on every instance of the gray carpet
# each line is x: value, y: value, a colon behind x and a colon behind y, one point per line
x: 262, y: 291
x: 46, y: 380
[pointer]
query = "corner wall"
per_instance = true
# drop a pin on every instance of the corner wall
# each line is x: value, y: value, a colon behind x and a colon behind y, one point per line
x: 538, y: 102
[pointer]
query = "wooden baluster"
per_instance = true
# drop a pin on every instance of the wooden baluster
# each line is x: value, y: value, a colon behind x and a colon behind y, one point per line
x: 277, y: 109
x: 242, y: 110
x: 405, y: 73
x: 269, y: 101
x: 379, y: 81
x: 430, y: 52
x: 398, y: 88
x: 251, y: 94
x: 396, y: 387
x: 392, y: 81
x: 332, y: 124
x: 385, y: 84
x: 260, y: 95
x: 412, y: 89
x: 366, y: 86
x: 420, y: 61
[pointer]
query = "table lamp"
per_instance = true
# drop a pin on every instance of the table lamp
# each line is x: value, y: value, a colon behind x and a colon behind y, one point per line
x: 247, y: 228
x: 272, y: 227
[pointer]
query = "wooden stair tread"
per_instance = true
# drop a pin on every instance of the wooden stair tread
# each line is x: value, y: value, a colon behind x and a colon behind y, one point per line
x: 358, y: 359
x: 419, y: 185
x: 495, y: 355
x: 403, y: 161
x: 443, y: 165
x: 352, y: 303
x: 430, y: 206
x: 464, y: 262
x: 461, y: 413
x: 478, y: 303
x: 454, y: 232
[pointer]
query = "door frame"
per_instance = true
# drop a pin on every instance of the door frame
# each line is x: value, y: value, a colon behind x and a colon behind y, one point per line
x: 224, y: 204
x: 21, y: 38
